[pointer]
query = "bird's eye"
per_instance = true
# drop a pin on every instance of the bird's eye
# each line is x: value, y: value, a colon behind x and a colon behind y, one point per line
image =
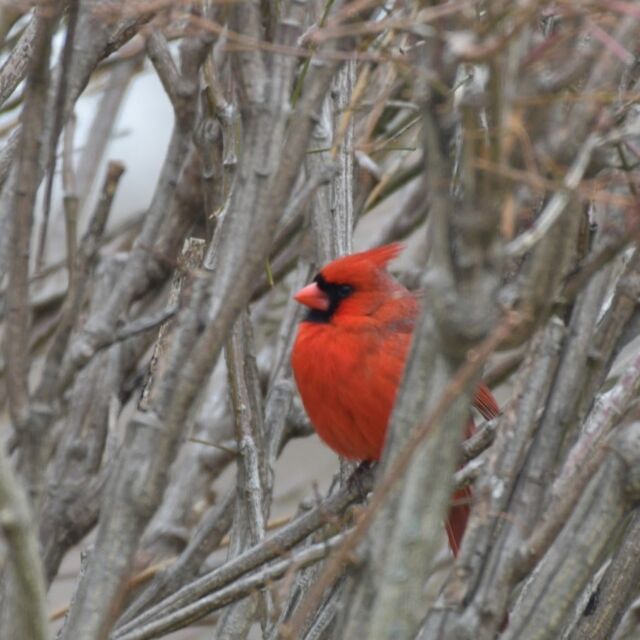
x: 344, y: 290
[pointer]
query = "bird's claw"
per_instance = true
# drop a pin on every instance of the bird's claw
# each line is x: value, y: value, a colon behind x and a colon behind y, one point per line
x: 361, y: 480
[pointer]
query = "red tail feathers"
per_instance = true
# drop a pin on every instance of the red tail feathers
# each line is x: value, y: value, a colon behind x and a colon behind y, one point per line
x: 458, y: 516
x: 486, y: 404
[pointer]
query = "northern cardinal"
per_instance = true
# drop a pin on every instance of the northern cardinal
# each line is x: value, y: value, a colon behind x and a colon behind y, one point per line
x: 349, y: 356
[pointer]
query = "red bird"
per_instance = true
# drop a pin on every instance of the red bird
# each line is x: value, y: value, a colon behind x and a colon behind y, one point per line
x: 349, y: 356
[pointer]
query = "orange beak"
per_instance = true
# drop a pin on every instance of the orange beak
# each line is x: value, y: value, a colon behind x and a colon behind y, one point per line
x: 313, y: 297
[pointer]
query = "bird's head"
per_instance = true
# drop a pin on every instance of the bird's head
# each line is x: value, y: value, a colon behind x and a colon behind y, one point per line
x: 350, y: 286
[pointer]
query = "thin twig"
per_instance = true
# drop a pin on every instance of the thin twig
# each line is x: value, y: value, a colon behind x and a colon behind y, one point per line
x: 70, y: 196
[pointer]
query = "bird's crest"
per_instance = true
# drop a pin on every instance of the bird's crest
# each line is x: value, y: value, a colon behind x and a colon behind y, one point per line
x: 381, y: 256
x: 356, y: 266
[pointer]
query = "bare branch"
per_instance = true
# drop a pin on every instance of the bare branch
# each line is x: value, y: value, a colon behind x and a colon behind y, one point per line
x: 70, y: 196
x: 102, y: 126
x: 270, y: 548
x: 567, y: 567
x: 27, y: 179
x: 15, y: 67
x: 616, y: 591
x: 524, y: 243
x: 501, y: 141
x: 239, y: 589
x: 23, y: 614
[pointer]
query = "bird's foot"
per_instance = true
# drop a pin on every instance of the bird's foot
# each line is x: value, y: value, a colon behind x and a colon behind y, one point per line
x: 361, y: 480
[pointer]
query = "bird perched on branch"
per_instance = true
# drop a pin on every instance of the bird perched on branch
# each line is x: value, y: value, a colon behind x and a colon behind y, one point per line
x: 349, y: 356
